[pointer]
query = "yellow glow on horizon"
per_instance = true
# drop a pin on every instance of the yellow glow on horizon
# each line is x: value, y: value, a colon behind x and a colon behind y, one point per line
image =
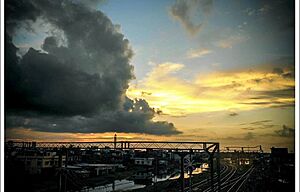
x: 24, y: 134
x: 240, y: 90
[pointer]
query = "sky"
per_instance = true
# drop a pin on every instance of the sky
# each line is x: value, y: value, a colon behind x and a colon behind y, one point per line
x: 198, y: 70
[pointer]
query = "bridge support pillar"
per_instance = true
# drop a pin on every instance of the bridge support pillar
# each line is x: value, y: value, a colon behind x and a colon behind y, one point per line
x: 182, y: 155
x: 182, y: 172
x: 212, y: 156
x: 211, y: 164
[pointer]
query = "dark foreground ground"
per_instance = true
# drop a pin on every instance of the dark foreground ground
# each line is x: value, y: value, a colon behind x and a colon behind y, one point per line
x: 249, y: 178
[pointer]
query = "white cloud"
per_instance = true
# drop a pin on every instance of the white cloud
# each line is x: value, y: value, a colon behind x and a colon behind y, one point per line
x: 230, y: 41
x: 196, y: 53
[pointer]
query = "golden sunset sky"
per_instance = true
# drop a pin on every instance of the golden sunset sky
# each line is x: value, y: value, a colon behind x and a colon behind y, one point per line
x: 183, y: 71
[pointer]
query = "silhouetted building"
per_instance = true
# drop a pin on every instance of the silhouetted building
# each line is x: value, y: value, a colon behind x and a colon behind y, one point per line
x: 38, y: 162
x: 282, y: 165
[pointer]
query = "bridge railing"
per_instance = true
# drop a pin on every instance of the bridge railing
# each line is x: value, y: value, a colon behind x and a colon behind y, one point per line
x: 142, y: 145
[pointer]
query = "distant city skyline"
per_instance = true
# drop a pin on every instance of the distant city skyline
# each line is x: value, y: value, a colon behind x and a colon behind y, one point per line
x: 151, y: 70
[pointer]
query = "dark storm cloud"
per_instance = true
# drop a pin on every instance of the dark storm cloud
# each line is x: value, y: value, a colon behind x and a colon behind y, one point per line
x: 16, y: 10
x: 76, y: 86
x: 51, y: 87
x: 134, y: 118
x: 89, y: 3
x: 92, y: 70
x: 108, y: 121
x: 184, y: 10
x: 285, y: 132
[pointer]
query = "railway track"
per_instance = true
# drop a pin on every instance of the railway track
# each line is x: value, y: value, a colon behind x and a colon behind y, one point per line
x: 207, y: 180
x: 236, y: 185
x: 224, y: 179
x: 226, y: 172
x: 231, y: 180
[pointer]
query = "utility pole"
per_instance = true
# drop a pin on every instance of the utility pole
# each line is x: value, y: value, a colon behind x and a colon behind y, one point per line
x: 218, y: 168
x: 211, y: 162
x: 60, y: 171
x: 191, y: 171
x: 113, y: 185
x: 115, y: 141
x: 156, y: 172
x: 66, y: 169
